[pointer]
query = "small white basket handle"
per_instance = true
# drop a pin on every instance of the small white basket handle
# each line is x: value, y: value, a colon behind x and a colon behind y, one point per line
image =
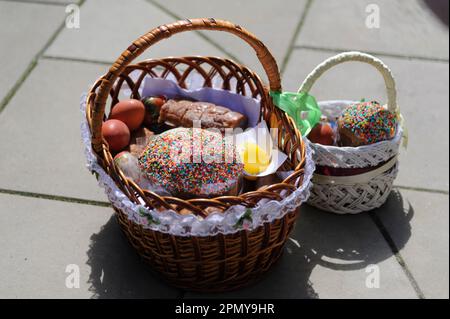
x: 355, y: 57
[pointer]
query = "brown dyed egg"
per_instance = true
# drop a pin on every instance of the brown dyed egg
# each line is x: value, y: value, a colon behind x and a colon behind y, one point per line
x: 131, y: 112
x: 117, y: 134
x: 322, y: 133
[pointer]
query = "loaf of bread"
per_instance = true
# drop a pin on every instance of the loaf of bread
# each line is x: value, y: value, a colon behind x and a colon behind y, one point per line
x: 184, y: 113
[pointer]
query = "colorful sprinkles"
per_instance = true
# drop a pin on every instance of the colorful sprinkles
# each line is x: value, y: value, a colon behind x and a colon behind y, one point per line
x: 192, y: 161
x: 369, y: 122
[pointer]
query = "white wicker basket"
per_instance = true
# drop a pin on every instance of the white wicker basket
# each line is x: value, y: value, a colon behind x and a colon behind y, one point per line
x: 363, y: 192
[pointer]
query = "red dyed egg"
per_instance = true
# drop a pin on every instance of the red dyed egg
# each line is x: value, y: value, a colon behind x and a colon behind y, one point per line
x: 131, y: 112
x: 117, y: 134
x: 322, y: 133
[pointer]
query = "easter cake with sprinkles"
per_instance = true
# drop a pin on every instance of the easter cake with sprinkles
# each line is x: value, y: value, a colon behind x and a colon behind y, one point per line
x: 192, y: 163
x: 366, y: 123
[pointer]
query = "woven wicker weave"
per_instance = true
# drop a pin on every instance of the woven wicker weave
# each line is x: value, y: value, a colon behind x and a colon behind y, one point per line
x: 362, y: 192
x: 220, y: 262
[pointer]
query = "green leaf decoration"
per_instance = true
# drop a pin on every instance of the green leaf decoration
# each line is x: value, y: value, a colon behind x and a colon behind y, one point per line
x: 247, y: 216
x: 96, y: 175
x: 149, y: 217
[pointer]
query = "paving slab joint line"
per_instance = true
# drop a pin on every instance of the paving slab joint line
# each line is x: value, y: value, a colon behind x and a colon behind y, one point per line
x: 201, y: 34
x: 387, y: 237
x: 18, y: 84
x: 80, y: 60
x: 425, y: 190
x: 51, y: 3
x: 382, y: 54
x: 55, y: 197
x: 297, y: 30
x: 34, y: 61
x: 89, y: 61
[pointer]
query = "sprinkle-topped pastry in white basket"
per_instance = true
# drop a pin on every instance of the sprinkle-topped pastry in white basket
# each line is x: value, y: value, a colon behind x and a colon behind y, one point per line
x: 366, y: 123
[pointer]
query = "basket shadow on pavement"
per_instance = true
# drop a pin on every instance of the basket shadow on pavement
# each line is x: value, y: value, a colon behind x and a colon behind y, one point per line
x: 351, y: 242
x: 335, y: 242
x: 440, y: 9
x: 118, y: 272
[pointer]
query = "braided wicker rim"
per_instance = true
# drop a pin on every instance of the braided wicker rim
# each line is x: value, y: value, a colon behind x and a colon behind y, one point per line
x: 355, y: 56
x: 248, y: 83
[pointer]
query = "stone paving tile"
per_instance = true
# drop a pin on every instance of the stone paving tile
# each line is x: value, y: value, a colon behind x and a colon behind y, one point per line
x: 406, y: 28
x: 423, y: 99
x: 20, y: 45
x: 40, y: 133
x: 418, y: 224
x: 327, y: 258
x: 272, y: 24
x: 108, y: 27
x: 40, y: 238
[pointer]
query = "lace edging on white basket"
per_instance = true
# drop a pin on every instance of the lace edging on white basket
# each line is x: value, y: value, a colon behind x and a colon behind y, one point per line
x: 356, y: 193
x: 353, y: 157
x: 231, y: 221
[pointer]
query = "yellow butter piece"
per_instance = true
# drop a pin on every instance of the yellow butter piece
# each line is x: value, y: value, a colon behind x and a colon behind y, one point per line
x: 255, y: 159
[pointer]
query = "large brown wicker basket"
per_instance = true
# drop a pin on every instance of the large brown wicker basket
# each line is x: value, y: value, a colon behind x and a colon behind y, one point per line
x: 213, y: 263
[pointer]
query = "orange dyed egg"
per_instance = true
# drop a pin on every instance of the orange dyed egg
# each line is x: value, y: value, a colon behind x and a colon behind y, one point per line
x: 131, y: 112
x: 322, y: 133
x: 117, y: 134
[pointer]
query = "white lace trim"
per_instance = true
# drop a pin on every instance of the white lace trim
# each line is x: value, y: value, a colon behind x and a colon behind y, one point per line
x: 231, y: 221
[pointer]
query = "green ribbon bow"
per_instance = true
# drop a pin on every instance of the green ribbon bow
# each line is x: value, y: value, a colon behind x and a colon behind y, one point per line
x: 301, y: 107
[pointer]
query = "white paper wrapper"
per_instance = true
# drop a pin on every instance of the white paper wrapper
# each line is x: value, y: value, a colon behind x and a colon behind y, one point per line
x: 260, y: 135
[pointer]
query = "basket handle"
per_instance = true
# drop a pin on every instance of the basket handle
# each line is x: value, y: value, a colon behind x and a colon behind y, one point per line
x: 352, y: 57
x: 166, y: 31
